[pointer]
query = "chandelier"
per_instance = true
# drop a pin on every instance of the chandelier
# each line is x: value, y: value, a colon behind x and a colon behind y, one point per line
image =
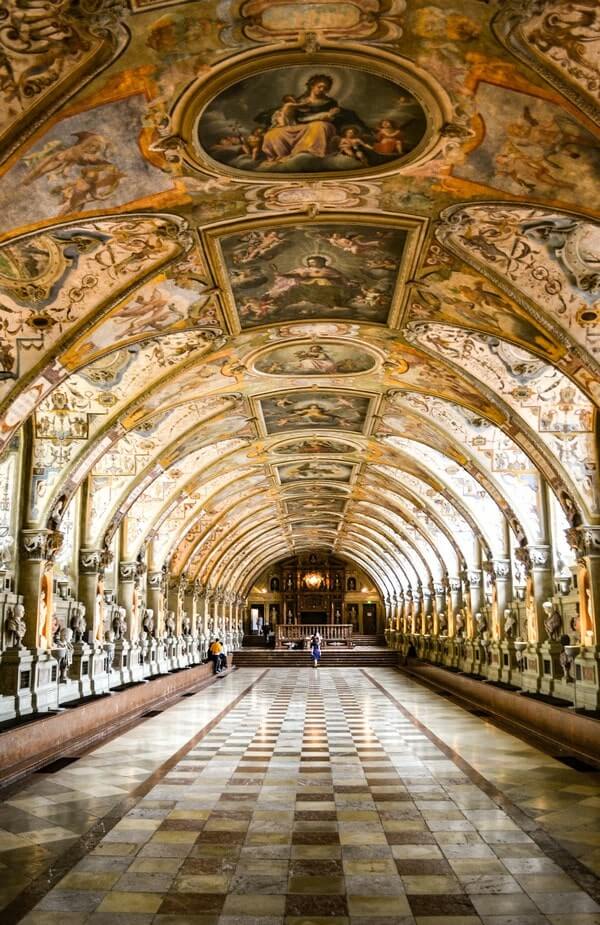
x: 313, y: 580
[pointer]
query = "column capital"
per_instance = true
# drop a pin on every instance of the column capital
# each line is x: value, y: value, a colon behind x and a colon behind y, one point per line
x: 41, y: 544
x: 94, y: 561
x: 523, y: 559
x: 585, y: 540
x: 502, y: 568
x: 475, y: 577
x: 128, y: 571
x: 540, y: 556
x: 89, y: 561
x: 156, y: 579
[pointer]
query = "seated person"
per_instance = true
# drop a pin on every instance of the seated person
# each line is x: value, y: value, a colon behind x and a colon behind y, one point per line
x: 216, y: 653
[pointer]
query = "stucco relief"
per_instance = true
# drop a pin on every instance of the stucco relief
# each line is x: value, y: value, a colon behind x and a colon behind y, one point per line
x: 497, y: 454
x: 47, y: 51
x: 551, y: 258
x: 561, y: 41
x: 546, y: 400
x: 284, y: 20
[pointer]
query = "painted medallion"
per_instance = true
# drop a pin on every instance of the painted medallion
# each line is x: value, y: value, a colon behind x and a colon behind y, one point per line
x: 299, y: 119
x: 315, y: 359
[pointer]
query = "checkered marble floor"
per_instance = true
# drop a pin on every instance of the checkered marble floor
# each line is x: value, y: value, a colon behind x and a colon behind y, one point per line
x: 318, y: 798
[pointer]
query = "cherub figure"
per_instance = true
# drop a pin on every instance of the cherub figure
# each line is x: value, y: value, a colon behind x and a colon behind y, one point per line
x: 352, y: 145
x: 389, y: 138
x: 285, y: 115
x: 252, y: 143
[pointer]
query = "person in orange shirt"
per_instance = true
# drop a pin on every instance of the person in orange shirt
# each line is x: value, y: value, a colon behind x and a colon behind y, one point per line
x: 216, y: 654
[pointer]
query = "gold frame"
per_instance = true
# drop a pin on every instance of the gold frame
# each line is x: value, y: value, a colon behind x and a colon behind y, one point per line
x: 190, y: 106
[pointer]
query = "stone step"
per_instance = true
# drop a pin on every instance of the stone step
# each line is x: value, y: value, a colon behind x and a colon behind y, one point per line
x: 332, y: 658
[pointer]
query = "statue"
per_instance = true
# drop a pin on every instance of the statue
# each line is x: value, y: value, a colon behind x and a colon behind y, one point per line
x: 170, y: 623
x: 566, y: 663
x: 480, y: 623
x: 64, y: 649
x: 510, y: 622
x: 16, y: 626
x: 148, y: 621
x: 119, y: 623
x: 77, y: 622
x: 443, y: 624
x: 186, y: 626
x: 553, y: 622
x: 460, y: 622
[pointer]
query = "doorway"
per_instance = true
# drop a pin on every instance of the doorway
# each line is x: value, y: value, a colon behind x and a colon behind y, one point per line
x: 314, y: 616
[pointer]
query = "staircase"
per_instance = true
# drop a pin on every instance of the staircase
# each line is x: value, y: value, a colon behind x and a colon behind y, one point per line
x: 362, y: 640
x: 254, y: 641
x: 330, y: 658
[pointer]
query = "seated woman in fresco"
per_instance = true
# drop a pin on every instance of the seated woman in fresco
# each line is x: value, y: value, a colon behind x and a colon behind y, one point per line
x: 317, y: 282
x: 311, y: 124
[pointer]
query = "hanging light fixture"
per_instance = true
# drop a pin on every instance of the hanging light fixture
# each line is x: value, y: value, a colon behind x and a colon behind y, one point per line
x: 313, y: 580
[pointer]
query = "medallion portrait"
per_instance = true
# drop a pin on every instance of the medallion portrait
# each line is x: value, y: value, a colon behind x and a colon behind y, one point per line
x: 300, y: 119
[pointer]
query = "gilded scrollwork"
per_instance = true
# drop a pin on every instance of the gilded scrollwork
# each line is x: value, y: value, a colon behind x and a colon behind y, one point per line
x: 47, y: 49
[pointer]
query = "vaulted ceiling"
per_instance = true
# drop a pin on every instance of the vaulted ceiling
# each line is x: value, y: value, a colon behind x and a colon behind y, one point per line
x: 277, y: 276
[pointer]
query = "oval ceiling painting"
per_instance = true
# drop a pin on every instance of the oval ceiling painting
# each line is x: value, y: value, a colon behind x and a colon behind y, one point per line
x: 301, y: 119
x: 315, y: 360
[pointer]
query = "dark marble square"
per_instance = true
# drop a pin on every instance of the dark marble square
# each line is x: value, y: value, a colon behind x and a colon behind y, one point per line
x: 315, y: 838
x: 410, y: 838
x: 191, y: 903
x: 315, y: 906
x: 441, y: 904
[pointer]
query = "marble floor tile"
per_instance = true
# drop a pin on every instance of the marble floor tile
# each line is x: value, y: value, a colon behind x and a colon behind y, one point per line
x: 293, y: 809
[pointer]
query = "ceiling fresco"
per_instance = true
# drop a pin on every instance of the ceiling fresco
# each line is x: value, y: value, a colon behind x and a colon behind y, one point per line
x: 281, y: 275
x: 318, y: 271
x: 297, y: 120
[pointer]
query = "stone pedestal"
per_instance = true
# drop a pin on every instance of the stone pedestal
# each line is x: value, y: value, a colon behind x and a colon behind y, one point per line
x: 509, y: 672
x: 28, y: 681
x: 531, y: 669
x: 552, y: 672
x: 468, y: 660
x: 100, y: 670
x: 181, y: 652
x: 587, y: 691
x: 149, y: 649
x: 121, y: 664
x: 494, y: 662
x: 163, y: 664
x: 80, y: 670
x: 171, y: 653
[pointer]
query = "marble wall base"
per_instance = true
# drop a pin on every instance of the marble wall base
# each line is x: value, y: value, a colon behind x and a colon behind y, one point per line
x: 28, y: 682
x: 531, y: 670
x: 587, y: 674
x: 552, y: 673
x: 24, y: 748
